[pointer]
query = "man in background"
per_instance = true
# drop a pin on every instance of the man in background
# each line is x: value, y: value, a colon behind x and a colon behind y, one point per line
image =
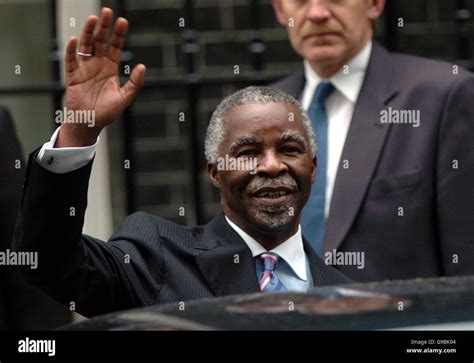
x: 396, y: 156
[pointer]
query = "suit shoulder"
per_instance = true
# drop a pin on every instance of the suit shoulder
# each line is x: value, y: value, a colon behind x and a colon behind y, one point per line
x: 288, y: 80
x: 429, y: 72
x: 6, y: 122
x: 292, y: 84
x: 3, y: 110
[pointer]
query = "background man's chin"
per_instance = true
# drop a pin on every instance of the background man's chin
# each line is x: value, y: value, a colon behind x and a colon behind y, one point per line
x: 323, y: 55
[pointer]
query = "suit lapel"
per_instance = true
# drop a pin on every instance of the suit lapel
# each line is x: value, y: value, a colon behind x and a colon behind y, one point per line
x: 363, y: 146
x: 316, y: 271
x: 319, y: 270
x: 226, y: 261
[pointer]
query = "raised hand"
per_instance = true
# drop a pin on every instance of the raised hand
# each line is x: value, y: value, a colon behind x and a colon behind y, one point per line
x: 92, y: 78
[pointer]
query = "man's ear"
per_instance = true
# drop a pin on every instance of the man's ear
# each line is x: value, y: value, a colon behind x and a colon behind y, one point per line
x: 375, y: 9
x: 314, y: 164
x: 280, y: 15
x: 214, y: 175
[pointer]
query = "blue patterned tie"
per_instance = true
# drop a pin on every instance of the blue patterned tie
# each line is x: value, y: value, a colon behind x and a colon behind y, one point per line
x: 268, y: 279
x: 312, y: 218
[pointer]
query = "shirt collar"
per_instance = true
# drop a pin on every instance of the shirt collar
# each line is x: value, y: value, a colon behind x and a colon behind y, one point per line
x: 347, y: 83
x: 292, y: 250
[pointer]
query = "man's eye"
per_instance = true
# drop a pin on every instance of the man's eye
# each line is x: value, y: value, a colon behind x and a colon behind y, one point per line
x: 290, y: 150
x: 247, y: 152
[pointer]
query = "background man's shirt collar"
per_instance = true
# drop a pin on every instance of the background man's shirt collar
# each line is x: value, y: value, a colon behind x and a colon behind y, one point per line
x: 348, y: 80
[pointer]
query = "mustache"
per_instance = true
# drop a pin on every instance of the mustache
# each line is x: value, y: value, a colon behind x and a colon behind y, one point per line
x: 265, y: 182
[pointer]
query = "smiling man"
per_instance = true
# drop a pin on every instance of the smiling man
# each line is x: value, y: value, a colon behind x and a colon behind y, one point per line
x: 257, y: 126
x: 254, y: 245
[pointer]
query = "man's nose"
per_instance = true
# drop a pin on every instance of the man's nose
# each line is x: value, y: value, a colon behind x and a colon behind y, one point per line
x: 270, y: 164
x: 318, y: 11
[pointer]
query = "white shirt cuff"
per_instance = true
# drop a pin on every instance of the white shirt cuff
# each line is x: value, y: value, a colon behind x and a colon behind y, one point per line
x: 65, y: 159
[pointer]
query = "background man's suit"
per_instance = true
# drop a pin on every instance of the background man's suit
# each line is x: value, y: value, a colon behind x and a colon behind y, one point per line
x: 21, y: 306
x: 149, y: 260
x: 393, y: 165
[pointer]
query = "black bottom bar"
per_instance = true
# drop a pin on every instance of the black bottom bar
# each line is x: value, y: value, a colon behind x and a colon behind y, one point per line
x: 431, y: 346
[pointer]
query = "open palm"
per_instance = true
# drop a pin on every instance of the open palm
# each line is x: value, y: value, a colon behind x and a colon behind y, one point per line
x: 92, y: 74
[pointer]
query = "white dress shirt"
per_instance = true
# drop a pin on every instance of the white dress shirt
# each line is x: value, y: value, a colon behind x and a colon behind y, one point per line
x: 339, y: 108
x: 65, y: 159
x: 293, y: 268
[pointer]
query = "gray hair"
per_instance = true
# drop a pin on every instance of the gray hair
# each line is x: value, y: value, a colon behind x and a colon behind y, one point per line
x: 261, y: 95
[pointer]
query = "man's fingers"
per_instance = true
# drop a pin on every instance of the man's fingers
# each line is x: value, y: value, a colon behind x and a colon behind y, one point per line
x: 85, y: 45
x: 71, y: 59
x: 135, y: 83
x: 102, y: 31
x: 118, y: 39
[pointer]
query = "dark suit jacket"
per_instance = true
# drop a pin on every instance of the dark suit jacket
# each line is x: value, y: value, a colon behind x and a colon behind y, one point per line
x: 394, y: 165
x: 11, y: 180
x: 149, y: 260
x: 22, y: 307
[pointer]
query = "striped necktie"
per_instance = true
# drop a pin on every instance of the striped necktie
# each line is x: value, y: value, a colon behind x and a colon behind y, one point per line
x: 269, y: 281
x: 313, y: 222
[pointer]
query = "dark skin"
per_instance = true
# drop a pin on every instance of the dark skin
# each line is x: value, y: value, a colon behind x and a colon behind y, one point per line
x: 92, y: 83
x: 289, y: 158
